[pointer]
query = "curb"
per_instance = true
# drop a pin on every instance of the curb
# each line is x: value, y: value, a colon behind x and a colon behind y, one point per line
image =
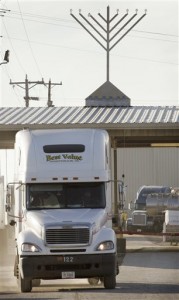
x: 154, y: 249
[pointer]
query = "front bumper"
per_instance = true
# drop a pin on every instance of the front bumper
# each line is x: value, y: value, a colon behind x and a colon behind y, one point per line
x: 84, y: 266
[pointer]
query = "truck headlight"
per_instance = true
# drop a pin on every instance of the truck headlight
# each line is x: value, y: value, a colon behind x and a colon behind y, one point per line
x: 107, y: 245
x: 27, y: 247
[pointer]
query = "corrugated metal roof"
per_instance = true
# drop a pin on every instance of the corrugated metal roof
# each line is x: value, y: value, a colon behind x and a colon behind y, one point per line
x: 133, y: 115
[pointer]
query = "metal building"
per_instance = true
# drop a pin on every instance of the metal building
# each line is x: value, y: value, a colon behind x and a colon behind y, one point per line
x: 136, y: 132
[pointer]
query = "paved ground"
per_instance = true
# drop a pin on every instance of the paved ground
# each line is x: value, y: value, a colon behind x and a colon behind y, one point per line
x: 134, y: 243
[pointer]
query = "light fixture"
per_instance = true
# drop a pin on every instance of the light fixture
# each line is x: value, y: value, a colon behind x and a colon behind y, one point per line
x: 165, y: 145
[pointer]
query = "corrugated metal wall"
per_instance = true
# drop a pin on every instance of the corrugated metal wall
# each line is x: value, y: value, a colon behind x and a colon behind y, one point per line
x: 147, y: 166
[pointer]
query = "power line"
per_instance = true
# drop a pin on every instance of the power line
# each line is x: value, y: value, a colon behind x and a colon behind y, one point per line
x: 135, y: 36
x: 69, y: 21
x: 74, y: 27
x: 44, y: 17
x: 29, y: 40
x: 94, y: 52
x: 8, y: 75
x: 151, y: 38
x: 47, y: 23
x: 157, y: 33
x: 13, y: 47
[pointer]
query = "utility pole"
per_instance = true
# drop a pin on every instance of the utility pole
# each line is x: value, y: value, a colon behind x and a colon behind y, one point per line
x: 27, y: 87
x: 107, y: 40
x: 50, y: 86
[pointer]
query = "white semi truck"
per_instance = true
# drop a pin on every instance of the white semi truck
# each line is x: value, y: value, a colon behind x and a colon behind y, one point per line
x: 62, y: 217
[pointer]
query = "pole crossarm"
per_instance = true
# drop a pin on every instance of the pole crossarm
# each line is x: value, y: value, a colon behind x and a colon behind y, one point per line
x: 26, y: 87
x: 53, y: 84
x: 107, y: 36
x: 29, y: 82
x: 50, y: 85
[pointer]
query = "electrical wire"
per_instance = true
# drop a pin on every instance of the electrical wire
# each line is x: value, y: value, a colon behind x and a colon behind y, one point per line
x: 15, y: 92
x: 74, y: 27
x: 71, y: 21
x: 43, y: 17
x: 47, y: 23
x: 150, y: 38
x: 95, y: 52
x: 72, y: 48
x: 37, y: 66
x: 19, y: 62
x: 157, y: 33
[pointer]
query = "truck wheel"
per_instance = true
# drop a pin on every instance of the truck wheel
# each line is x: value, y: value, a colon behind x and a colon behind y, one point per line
x: 25, y: 285
x: 93, y: 280
x: 36, y: 282
x: 110, y: 281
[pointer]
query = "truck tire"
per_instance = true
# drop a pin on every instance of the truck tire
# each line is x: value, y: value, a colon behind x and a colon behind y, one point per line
x: 25, y: 285
x: 110, y: 281
x: 36, y: 282
x: 93, y: 280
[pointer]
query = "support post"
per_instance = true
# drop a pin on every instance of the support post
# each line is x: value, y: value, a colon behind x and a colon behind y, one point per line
x: 26, y: 92
x: 107, y: 48
x: 115, y: 177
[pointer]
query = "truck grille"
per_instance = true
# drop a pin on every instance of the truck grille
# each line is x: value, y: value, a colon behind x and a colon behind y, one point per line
x: 139, y: 219
x: 67, y: 236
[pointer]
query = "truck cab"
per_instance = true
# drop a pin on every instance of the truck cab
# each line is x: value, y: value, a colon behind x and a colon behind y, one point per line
x: 142, y: 218
x: 62, y: 191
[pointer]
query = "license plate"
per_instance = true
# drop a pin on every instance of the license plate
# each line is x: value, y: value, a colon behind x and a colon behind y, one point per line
x: 68, y: 275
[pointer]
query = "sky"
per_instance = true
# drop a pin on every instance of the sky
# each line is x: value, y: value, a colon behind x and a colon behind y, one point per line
x: 46, y: 42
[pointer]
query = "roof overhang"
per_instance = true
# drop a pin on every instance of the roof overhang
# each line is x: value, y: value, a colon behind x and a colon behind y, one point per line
x: 127, y: 127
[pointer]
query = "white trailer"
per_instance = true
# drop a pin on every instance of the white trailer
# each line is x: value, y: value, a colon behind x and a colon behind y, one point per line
x: 171, y: 225
x: 62, y: 212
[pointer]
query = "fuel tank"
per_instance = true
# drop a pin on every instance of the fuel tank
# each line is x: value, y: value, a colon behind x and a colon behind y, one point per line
x: 158, y: 203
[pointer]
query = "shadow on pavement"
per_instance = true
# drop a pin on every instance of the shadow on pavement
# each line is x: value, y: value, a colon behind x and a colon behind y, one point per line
x: 152, y: 260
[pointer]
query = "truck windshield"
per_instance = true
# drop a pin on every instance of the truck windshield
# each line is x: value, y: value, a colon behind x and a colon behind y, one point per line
x: 65, y: 195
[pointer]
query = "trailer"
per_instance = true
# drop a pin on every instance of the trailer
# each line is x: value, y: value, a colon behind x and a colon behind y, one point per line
x: 149, y: 212
x: 62, y: 213
x: 171, y: 226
